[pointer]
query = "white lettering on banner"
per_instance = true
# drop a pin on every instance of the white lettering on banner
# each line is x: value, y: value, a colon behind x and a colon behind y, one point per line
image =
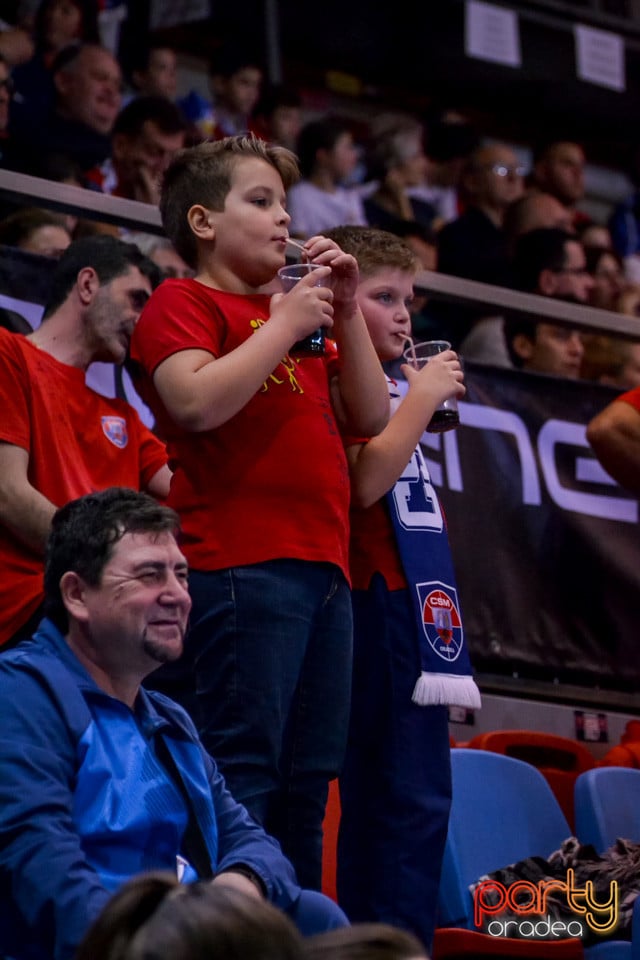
x: 552, y: 434
x: 555, y: 432
x: 416, y: 500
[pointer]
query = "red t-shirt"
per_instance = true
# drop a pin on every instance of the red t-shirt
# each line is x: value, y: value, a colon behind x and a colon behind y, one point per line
x: 632, y: 397
x: 271, y: 482
x: 78, y: 442
x: 373, y: 547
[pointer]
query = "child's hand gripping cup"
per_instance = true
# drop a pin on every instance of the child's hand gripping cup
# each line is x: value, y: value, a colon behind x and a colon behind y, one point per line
x: 313, y: 345
x: 446, y: 416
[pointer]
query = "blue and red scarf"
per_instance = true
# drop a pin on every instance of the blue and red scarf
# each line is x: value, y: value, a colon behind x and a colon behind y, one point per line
x: 421, y: 535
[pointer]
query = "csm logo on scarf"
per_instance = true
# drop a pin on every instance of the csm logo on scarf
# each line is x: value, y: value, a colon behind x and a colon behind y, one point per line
x: 441, y: 620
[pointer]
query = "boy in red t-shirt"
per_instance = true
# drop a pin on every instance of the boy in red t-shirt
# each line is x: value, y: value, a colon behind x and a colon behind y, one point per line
x: 261, y: 482
x: 395, y: 788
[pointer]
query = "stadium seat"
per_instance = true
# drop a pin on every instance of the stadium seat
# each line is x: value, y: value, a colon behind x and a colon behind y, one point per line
x: 559, y: 759
x: 455, y: 944
x: 503, y: 811
x: 607, y: 803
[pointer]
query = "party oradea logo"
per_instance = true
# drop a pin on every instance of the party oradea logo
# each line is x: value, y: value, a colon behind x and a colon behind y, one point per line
x: 523, y: 909
x: 441, y: 620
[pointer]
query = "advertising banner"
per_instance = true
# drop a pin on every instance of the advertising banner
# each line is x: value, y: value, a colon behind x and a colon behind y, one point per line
x: 546, y: 545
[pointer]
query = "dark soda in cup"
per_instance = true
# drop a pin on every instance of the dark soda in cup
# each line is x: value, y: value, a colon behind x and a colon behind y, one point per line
x: 446, y: 417
x: 443, y: 420
x: 313, y: 345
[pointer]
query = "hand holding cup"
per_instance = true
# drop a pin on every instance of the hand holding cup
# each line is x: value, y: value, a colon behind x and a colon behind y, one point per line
x: 290, y: 275
x: 417, y: 356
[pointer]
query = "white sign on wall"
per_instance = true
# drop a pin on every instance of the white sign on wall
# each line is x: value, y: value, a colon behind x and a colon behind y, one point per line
x: 492, y: 33
x: 600, y: 57
x: 169, y: 13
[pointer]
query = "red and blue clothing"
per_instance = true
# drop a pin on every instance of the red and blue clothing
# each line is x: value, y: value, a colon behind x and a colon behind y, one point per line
x: 77, y: 441
x: 263, y: 500
x: 395, y: 787
x: 87, y: 803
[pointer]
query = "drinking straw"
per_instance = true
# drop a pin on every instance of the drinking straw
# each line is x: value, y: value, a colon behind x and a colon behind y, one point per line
x: 300, y: 246
x: 412, y: 351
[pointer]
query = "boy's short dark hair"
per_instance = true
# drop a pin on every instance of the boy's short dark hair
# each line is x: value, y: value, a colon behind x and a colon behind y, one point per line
x: 202, y: 174
x: 318, y: 135
x: 277, y: 96
x: 514, y: 327
x: 538, y: 250
x: 140, y: 58
x: 156, y: 109
x: 374, y: 249
x: 544, y: 146
x: 84, y: 532
x: 107, y: 255
x: 232, y: 56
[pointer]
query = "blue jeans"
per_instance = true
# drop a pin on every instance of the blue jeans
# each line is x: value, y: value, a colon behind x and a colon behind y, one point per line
x: 313, y: 913
x: 270, y: 645
x: 395, y: 788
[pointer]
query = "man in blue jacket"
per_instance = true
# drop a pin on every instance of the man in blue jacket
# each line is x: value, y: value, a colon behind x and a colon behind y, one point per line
x: 102, y: 780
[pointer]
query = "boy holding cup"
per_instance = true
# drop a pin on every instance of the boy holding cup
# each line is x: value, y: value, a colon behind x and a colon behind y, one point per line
x: 260, y: 480
x: 410, y: 661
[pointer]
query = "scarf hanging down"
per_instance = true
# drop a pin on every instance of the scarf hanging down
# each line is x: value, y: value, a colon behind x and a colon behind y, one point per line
x: 421, y: 536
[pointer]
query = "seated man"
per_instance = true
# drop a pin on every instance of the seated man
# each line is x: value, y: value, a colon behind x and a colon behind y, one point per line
x: 551, y: 263
x: 102, y: 780
x: 59, y: 438
x: 87, y: 97
x: 474, y: 245
x: 146, y: 135
x: 559, y: 169
x: 532, y: 211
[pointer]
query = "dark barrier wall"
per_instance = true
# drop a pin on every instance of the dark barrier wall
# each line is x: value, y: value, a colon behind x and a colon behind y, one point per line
x: 546, y: 545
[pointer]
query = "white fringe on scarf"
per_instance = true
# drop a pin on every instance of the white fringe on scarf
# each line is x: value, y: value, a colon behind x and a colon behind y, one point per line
x: 446, y: 689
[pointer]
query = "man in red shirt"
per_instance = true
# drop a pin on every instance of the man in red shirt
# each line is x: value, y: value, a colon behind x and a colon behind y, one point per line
x: 58, y: 438
x: 146, y: 135
x: 614, y: 435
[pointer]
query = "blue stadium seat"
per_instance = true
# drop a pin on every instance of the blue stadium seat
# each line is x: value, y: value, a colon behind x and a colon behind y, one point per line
x: 503, y: 811
x: 607, y: 806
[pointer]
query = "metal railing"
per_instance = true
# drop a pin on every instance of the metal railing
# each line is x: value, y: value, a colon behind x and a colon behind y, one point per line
x: 133, y: 215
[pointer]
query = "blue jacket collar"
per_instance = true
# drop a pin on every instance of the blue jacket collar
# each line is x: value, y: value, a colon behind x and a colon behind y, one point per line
x: 48, y: 637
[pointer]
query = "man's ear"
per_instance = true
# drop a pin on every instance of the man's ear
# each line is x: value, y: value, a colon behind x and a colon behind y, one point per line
x: 118, y: 142
x: 87, y: 284
x: 62, y: 83
x: 547, y: 283
x: 72, y: 591
x: 200, y: 222
x: 522, y: 346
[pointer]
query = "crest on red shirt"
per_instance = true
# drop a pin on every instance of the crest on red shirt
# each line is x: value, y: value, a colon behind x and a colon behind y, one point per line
x: 115, y: 430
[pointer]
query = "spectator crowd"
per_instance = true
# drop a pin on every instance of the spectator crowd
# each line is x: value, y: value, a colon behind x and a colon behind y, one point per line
x: 70, y: 111
x: 205, y: 559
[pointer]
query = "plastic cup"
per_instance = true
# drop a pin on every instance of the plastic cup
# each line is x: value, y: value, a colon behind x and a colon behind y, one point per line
x: 292, y: 272
x: 312, y: 345
x: 446, y: 416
